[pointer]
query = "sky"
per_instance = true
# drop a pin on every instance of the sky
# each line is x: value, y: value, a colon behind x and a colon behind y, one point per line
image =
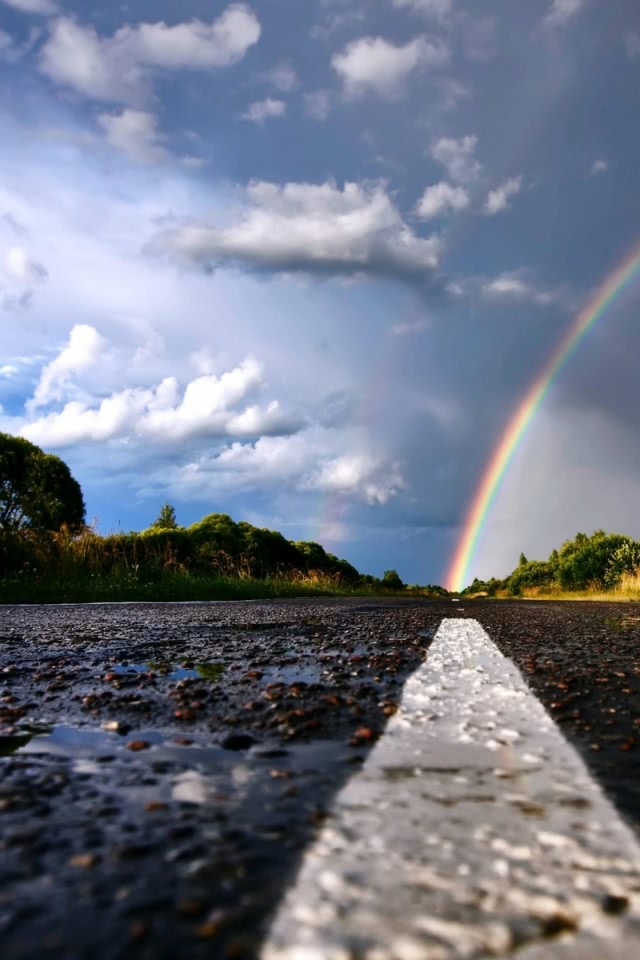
x: 299, y: 261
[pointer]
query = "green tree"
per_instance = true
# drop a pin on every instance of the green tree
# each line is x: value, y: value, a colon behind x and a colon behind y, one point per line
x: 522, y: 562
x: 166, y: 519
x: 37, y: 490
x: 391, y: 580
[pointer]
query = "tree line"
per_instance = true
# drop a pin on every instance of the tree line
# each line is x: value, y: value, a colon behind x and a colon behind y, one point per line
x: 598, y: 561
x: 43, y: 531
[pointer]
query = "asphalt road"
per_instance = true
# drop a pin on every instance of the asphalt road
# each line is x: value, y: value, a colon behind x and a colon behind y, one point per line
x: 164, y: 767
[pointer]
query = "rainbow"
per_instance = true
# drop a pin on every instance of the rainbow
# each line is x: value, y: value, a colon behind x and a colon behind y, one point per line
x: 495, y: 470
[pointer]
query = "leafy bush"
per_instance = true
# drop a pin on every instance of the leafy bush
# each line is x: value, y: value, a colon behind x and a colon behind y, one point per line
x: 531, y: 573
x: 625, y: 559
x: 584, y: 561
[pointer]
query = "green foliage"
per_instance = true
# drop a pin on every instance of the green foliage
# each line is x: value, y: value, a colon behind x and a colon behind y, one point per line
x: 46, y: 553
x: 531, y: 573
x: 488, y: 587
x: 391, y: 580
x: 37, y: 491
x: 584, y: 561
x: 166, y: 519
x: 624, y: 559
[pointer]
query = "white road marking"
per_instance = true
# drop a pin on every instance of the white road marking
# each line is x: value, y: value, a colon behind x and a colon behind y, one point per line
x: 473, y: 829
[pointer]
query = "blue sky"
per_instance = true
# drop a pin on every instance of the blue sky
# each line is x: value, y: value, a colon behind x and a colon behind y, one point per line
x: 298, y: 261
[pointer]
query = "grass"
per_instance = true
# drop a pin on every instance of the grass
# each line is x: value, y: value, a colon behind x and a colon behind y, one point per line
x: 628, y: 589
x: 168, y: 587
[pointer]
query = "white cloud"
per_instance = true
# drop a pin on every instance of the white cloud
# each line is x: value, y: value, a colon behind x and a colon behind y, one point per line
x: 318, y: 104
x: 374, y: 481
x: 82, y: 352
x: 20, y: 275
x: 21, y: 267
x: 498, y: 200
x: 118, y: 67
x: 313, y: 229
x: 334, y: 22
x: 457, y: 157
x: 210, y: 406
x: 282, y: 77
x: 8, y: 50
x: 134, y: 133
x: 599, y: 166
x: 261, y: 110
x: 8, y: 370
x: 44, y: 7
x: 632, y: 43
x: 411, y: 327
x: 441, y: 198
x: 560, y: 12
x: 305, y: 462
x: 515, y: 286
x: 374, y: 64
x: 437, y: 9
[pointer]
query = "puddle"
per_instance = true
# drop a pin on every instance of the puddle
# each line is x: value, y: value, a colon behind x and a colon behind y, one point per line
x: 200, y: 671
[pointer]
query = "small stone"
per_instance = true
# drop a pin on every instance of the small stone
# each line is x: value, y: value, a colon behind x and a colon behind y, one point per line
x: 84, y: 861
x: 138, y: 745
x: 190, y: 907
x: 153, y: 805
x: 237, y: 741
x: 614, y: 905
x: 211, y: 926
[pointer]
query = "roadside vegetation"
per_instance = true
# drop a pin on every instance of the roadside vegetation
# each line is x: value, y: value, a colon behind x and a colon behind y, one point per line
x: 602, y: 566
x: 49, y: 554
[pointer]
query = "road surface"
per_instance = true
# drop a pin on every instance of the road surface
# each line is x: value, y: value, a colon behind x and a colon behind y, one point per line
x: 169, y: 770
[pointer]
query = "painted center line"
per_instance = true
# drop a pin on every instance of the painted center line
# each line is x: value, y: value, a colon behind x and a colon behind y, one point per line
x: 473, y: 829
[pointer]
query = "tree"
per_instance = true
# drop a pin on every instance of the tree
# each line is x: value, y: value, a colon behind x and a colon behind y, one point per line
x: 391, y: 579
x: 166, y: 519
x: 522, y: 562
x: 37, y: 490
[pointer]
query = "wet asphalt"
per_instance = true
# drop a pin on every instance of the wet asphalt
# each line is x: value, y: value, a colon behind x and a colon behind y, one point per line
x: 163, y: 767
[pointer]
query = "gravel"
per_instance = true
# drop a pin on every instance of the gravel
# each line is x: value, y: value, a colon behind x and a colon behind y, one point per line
x: 165, y: 766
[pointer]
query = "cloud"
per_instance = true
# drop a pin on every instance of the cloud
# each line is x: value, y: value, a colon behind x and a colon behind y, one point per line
x: 373, y: 64
x: 20, y: 275
x: 437, y: 9
x: 318, y: 104
x: 632, y: 43
x: 599, y: 166
x: 282, y: 77
x: 210, y: 406
x: 8, y: 49
x: 118, y: 67
x: 261, y: 110
x: 134, y: 133
x: 412, y: 327
x: 45, y: 7
x: 514, y: 286
x: 560, y: 12
x: 334, y: 22
x: 441, y: 198
x: 312, y: 229
x: 457, y: 157
x: 480, y: 39
x: 82, y: 352
x: 306, y: 462
x: 498, y: 200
